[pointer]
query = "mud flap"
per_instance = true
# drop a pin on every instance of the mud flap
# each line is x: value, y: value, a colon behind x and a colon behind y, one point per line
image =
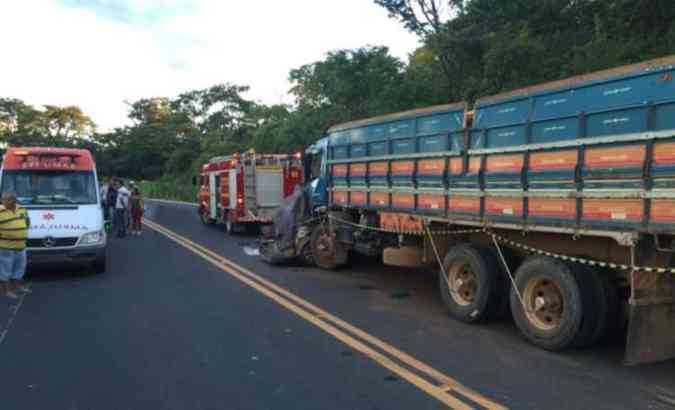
x: 651, y: 325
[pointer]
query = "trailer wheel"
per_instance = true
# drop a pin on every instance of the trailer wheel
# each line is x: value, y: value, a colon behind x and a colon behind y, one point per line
x: 553, y: 295
x: 600, y: 304
x: 471, y: 291
x: 327, y: 253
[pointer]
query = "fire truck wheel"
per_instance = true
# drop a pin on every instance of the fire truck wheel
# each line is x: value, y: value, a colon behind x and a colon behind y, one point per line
x: 327, y: 253
x: 472, y: 290
x: 551, y: 314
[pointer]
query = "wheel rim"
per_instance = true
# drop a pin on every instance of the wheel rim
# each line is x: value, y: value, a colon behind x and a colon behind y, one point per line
x: 462, y: 283
x: 544, y: 303
x: 325, y: 246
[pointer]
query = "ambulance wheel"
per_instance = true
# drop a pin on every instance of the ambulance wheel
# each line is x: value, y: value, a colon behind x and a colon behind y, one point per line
x: 100, y: 265
x: 327, y: 253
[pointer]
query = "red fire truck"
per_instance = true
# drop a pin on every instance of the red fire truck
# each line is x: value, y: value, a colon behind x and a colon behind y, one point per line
x: 246, y: 188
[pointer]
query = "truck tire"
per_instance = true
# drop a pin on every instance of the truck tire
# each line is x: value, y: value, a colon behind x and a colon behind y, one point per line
x: 556, y: 298
x: 100, y: 265
x: 600, y: 304
x: 327, y: 253
x: 472, y: 290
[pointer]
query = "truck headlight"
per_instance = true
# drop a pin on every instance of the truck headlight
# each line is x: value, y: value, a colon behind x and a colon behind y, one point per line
x: 92, y: 238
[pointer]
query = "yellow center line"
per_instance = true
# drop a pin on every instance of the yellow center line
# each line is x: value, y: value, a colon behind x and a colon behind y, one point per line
x: 319, y: 318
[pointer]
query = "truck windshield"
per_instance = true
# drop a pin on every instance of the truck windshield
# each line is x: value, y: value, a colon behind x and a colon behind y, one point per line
x: 50, y: 187
x: 316, y: 164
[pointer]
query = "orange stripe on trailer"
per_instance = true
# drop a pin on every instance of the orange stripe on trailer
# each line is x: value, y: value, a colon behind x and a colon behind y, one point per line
x: 613, y: 209
x: 552, y: 207
x: 632, y: 155
x: 430, y: 166
x: 402, y: 167
x: 379, y: 199
x: 504, y: 206
x: 504, y: 163
x: 663, y: 210
x: 551, y: 161
x: 403, y: 200
x: 456, y: 166
x: 664, y: 153
x: 358, y: 198
x: 464, y: 204
x: 339, y: 170
x: 378, y: 168
x: 431, y: 201
x: 340, y: 197
x: 475, y: 164
x: 357, y: 169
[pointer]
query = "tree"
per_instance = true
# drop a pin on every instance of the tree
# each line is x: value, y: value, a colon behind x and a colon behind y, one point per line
x: 62, y: 125
x: 350, y: 84
x: 23, y: 124
x: 422, y: 17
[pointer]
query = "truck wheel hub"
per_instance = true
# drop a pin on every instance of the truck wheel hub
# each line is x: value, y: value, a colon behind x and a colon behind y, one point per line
x: 462, y: 284
x: 544, y: 306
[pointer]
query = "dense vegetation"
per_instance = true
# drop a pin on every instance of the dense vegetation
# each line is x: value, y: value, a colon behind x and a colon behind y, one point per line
x: 470, y: 48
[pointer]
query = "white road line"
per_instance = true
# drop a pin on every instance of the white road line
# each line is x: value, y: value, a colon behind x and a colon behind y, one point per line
x: 8, y: 325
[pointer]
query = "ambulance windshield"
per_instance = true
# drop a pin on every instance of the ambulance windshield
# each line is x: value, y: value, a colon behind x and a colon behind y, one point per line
x: 51, y: 187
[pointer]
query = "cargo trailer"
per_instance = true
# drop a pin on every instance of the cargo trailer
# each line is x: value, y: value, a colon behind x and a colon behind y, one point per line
x: 554, y: 202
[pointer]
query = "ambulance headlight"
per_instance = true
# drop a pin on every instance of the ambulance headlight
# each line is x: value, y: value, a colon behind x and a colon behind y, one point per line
x: 92, y: 238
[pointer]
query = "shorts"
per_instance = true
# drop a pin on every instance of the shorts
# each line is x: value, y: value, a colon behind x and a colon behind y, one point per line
x: 12, y: 264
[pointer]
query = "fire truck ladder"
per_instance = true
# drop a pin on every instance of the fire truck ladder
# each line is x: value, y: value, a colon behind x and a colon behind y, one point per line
x: 250, y: 200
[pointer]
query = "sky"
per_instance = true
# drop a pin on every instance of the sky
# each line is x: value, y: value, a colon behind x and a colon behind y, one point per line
x: 97, y: 54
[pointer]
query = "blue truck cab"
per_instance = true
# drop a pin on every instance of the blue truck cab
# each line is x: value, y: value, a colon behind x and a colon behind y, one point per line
x: 316, y: 172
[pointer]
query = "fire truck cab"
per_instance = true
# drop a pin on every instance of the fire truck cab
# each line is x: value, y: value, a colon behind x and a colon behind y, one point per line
x: 247, y: 188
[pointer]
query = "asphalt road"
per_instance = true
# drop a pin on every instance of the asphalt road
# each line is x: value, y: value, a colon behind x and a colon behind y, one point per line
x: 165, y: 328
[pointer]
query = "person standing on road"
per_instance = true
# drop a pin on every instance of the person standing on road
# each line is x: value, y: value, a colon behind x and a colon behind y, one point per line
x: 14, y: 224
x: 121, y: 207
x: 136, y: 207
x: 104, y: 201
x: 111, y: 199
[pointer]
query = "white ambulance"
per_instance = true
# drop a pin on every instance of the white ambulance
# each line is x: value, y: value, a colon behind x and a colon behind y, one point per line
x: 59, y: 188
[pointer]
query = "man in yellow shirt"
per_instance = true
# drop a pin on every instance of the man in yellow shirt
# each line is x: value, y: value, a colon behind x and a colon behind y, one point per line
x: 14, y: 225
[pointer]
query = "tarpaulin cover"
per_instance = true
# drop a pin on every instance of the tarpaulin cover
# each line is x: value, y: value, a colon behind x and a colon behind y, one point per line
x: 293, y: 210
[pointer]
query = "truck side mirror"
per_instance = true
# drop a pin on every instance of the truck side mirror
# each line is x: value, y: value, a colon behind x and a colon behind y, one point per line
x: 194, y: 180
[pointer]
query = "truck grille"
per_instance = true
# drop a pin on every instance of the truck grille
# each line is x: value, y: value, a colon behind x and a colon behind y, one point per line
x: 56, y: 242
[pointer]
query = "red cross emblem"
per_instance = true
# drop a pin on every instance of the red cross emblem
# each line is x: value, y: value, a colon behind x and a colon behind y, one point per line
x: 48, y: 216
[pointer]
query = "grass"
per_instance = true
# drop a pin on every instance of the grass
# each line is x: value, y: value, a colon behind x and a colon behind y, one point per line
x: 174, y: 188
